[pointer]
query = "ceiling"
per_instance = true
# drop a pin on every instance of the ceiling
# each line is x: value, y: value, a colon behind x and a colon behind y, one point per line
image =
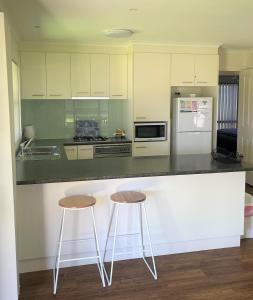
x: 210, y: 22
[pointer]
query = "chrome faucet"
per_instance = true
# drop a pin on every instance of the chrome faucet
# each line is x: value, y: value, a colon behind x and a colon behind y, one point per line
x: 25, y: 145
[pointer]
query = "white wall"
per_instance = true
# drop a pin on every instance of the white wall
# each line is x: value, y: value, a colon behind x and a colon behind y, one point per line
x: 8, y: 266
x: 233, y: 59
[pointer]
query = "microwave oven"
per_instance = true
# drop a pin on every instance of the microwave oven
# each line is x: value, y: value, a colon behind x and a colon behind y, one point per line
x: 151, y: 131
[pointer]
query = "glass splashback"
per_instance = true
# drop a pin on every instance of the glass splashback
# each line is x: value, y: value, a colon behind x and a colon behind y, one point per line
x: 55, y: 119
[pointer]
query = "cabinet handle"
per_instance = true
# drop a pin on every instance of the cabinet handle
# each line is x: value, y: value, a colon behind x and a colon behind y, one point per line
x: 85, y: 150
x: 82, y: 92
x: 98, y: 93
x: 117, y: 95
x: 141, y: 118
x: 141, y: 147
x: 55, y: 95
x: 187, y: 82
x: 201, y: 81
x: 38, y: 95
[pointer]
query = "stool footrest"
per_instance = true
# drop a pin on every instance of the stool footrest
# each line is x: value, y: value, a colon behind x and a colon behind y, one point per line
x: 78, y: 258
x: 130, y: 252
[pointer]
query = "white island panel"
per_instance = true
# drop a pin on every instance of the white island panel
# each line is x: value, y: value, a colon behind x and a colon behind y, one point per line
x: 186, y: 213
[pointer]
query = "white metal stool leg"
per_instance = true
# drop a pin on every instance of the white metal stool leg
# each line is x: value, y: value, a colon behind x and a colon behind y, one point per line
x: 141, y: 229
x: 153, y: 272
x: 114, y: 243
x: 115, y: 206
x: 107, y: 238
x: 57, y: 261
x: 100, y: 264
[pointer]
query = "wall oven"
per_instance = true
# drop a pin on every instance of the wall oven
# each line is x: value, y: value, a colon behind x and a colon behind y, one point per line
x: 151, y: 131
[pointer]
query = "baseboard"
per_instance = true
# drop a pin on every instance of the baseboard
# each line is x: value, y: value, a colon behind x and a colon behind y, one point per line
x: 45, y: 263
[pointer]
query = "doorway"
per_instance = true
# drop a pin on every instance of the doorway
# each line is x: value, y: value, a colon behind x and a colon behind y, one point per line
x: 227, y: 122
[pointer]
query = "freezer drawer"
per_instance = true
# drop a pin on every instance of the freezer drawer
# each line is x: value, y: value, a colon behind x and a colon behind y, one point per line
x: 193, y: 143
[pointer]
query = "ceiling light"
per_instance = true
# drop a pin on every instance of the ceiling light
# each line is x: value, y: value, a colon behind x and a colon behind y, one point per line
x: 118, y: 33
x: 133, y: 9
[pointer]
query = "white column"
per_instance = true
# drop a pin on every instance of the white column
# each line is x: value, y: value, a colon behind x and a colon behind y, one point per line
x: 8, y: 265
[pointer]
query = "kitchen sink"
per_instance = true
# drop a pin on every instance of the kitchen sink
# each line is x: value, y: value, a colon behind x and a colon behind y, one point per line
x: 39, y: 153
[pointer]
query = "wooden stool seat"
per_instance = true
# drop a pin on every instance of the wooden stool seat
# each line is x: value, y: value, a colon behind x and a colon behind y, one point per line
x: 77, y: 201
x: 128, y: 197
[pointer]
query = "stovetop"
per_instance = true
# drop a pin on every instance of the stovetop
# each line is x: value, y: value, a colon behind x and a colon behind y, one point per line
x: 91, y: 140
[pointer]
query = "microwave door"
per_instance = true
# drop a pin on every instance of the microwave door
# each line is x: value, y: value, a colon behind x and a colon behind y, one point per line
x: 150, y: 132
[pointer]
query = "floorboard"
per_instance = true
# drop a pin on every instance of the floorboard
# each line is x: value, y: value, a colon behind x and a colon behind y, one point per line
x: 207, y: 275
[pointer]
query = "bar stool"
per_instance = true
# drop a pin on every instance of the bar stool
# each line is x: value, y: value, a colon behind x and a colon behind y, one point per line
x: 76, y: 203
x: 129, y: 198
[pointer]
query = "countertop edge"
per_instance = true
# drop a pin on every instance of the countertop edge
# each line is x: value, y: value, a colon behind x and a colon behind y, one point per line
x: 91, y: 178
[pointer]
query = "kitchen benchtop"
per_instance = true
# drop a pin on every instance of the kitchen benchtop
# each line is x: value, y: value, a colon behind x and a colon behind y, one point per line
x: 64, y: 170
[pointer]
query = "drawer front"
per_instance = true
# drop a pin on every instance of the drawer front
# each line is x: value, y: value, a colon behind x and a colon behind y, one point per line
x: 71, y: 152
x: 85, y: 152
x: 150, y: 149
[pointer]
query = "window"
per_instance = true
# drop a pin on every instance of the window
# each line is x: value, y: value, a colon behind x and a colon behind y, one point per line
x: 228, y: 101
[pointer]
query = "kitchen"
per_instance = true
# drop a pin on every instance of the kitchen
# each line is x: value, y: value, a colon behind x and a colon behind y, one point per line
x: 100, y: 119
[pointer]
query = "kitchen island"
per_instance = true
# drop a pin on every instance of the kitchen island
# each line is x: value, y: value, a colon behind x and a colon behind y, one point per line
x: 193, y: 203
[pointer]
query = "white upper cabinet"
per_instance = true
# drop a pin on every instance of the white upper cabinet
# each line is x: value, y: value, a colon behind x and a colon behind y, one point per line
x: 99, y: 75
x: 58, y: 75
x: 118, y: 76
x: 206, y: 70
x: 33, y: 75
x: 182, y: 70
x: 151, y: 86
x: 194, y: 70
x: 80, y: 75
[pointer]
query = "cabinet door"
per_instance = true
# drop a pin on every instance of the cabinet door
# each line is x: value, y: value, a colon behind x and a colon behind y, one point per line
x: 80, y: 75
x: 58, y: 75
x: 33, y: 75
x: 118, y: 76
x: 151, y: 87
x: 85, y: 152
x: 99, y: 75
x: 150, y: 148
x: 71, y: 152
x: 206, y: 70
x: 182, y: 70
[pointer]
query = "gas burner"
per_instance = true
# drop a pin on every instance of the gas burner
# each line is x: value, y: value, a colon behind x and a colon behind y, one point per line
x: 89, y: 139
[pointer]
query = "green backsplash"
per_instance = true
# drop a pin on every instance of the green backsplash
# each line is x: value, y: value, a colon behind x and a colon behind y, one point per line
x: 55, y: 119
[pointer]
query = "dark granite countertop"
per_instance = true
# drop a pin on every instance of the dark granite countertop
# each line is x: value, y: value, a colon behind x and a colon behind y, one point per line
x: 63, y: 170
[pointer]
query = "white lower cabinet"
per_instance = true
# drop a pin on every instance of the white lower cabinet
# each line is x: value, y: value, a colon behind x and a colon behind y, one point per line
x: 79, y: 152
x: 85, y: 152
x: 71, y: 152
x: 150, y: 148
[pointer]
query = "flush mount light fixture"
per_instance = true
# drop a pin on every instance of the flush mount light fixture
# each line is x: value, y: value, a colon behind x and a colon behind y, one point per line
x: 118, y: 33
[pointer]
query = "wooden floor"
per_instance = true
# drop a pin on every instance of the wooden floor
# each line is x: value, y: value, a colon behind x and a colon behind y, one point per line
x: 249, y: 189
x: 208, y: 275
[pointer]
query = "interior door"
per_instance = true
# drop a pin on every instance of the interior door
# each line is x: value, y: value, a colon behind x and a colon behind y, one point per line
x: 245, y: 119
